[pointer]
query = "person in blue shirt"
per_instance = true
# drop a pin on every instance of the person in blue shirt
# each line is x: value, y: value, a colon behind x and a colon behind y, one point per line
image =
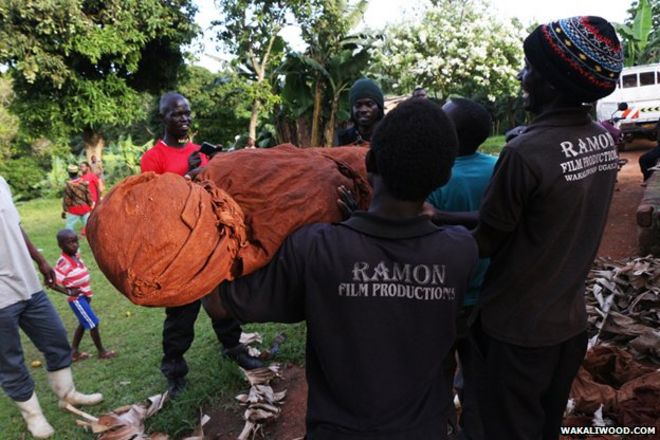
x: 469, y: 178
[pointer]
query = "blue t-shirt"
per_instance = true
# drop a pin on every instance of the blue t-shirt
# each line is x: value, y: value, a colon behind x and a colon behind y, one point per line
x: 464, y: 191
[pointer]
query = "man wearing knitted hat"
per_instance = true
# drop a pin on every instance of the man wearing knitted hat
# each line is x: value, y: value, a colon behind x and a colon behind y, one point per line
x: 541, y: 221
x: 367, y: 106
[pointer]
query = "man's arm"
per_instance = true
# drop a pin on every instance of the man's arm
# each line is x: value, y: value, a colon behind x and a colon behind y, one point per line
x: 44, y: 267
x: 508, y: 193
x: 65, y: 291
x: 469, y: 219
x: 488, y: 239
x: 274, y: 293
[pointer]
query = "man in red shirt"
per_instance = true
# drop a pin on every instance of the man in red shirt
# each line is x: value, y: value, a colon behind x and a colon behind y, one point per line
x: 175, y: 153
x: 95, y: 184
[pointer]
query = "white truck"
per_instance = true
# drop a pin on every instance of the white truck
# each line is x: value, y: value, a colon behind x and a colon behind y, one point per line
x: 639, y: 88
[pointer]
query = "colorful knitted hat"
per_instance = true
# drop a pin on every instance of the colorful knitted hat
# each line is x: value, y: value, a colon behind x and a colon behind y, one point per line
x: 366, y: 88
x: 581, y: 56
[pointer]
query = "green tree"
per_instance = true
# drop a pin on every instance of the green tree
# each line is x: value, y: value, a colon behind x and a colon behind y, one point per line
x: 79, y: 66
x: 457, y: 48
x: 640, y: 33
x: 334, y: 59
x: 220, y: 111
x: 249, y: 30
x: 8, y: 121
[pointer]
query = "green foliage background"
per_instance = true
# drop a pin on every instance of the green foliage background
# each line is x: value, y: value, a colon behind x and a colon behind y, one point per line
x: 79, y: 68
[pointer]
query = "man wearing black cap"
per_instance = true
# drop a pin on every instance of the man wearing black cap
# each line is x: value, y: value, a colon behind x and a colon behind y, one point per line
x: 541, y: 222
x: 367, y: 105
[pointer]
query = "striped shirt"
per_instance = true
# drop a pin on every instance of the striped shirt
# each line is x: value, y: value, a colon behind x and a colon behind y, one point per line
x: 71, y: 272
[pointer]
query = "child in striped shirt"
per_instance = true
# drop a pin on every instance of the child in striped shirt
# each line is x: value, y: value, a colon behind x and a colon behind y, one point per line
x: 72, y: 279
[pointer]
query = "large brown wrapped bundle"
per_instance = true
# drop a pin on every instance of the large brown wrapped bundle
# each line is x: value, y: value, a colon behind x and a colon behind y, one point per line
x: 353, y: 156
x: 165, y: 241
x: 283, y: 188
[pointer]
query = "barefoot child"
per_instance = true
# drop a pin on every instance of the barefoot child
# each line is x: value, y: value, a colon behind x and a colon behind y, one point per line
x: 72, y: 279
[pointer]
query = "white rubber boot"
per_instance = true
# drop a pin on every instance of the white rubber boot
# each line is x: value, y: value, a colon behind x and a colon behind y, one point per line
x: 34, y: 418
x: 61, y: 381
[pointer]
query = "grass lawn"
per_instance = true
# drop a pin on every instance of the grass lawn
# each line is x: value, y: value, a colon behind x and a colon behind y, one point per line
x: 135, y: 332
x: 493, y: 145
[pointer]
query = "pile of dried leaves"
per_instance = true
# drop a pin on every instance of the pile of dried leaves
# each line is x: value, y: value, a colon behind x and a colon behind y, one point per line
x: 623, y: 305
x: 127, y: 422
x: 124, y: 423
x: 261, y: 401
x: 619, y: 380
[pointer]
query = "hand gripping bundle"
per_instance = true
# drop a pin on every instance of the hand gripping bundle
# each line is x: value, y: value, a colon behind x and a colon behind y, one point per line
x: 164, y: 241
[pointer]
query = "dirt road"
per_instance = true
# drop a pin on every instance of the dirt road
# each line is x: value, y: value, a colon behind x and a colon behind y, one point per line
x: 620, y: 236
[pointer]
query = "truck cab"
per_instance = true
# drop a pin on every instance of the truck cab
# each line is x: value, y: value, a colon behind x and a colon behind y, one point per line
x: 639, y: 87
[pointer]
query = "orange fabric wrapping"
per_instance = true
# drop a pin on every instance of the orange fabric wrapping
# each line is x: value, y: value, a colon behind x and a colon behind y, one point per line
x: 165, y: 241
x: 283, y: 188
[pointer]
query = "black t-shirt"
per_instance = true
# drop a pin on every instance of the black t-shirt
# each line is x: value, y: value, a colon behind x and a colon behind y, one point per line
x: 551, y: 191
x: 351, y: 136
x: 380, y: 300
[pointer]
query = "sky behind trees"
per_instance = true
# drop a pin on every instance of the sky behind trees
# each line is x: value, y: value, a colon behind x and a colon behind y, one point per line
x: 381, y: 12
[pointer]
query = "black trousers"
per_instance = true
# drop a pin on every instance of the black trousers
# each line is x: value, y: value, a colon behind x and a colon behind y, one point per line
x: 648, y: 160
x: 179, y: 333
x: 466, y: 381
x: 523, y: 391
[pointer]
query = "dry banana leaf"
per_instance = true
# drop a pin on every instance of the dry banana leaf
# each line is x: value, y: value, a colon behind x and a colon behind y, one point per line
x: 647, y: 344
x: 263, y: 375
x: 623, y: 303
x: 124, y: 423
x: 261, y: 400
x: 250, y: 338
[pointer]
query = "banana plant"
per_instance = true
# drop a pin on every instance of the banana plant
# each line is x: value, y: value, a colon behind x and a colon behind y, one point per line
x: 317, y: 79
x: 636, y: 36
x: 322, y: 88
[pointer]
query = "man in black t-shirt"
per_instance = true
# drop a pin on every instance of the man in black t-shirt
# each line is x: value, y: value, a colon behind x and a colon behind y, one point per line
x: 541, y: 221
x: 379, y: 292
x: 367, y: 109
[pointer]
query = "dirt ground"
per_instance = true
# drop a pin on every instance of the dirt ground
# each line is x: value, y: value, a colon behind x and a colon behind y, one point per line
x: 227, y: 423
x: 619, y: 241
x: 620, y: 236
